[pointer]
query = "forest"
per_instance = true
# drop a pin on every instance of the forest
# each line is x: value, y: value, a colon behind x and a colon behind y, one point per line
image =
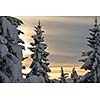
x: 11, y: 56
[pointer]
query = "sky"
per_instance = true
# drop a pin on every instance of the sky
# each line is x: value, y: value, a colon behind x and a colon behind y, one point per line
x: 65, y: 37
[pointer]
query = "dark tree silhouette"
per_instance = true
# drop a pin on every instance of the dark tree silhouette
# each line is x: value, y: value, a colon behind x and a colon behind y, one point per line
x: 92, y: 57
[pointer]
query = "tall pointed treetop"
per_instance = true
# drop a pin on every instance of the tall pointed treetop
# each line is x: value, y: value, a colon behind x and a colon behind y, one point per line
x: 96, y: 21
x: 40, y: 61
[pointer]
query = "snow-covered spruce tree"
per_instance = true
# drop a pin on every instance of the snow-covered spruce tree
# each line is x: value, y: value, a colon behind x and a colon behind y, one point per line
x: 74, y: 76
x: 63, y: 76
x: 40, y: 62
x: 10, y: 50
x: 92, y: 57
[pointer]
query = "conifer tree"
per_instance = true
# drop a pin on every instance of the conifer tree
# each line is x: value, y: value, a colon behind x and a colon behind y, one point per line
x: 75, y: 76
x: 63, y: 76
x: 92, y: 57
x: 10, y: 50
x: 40, y: 61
